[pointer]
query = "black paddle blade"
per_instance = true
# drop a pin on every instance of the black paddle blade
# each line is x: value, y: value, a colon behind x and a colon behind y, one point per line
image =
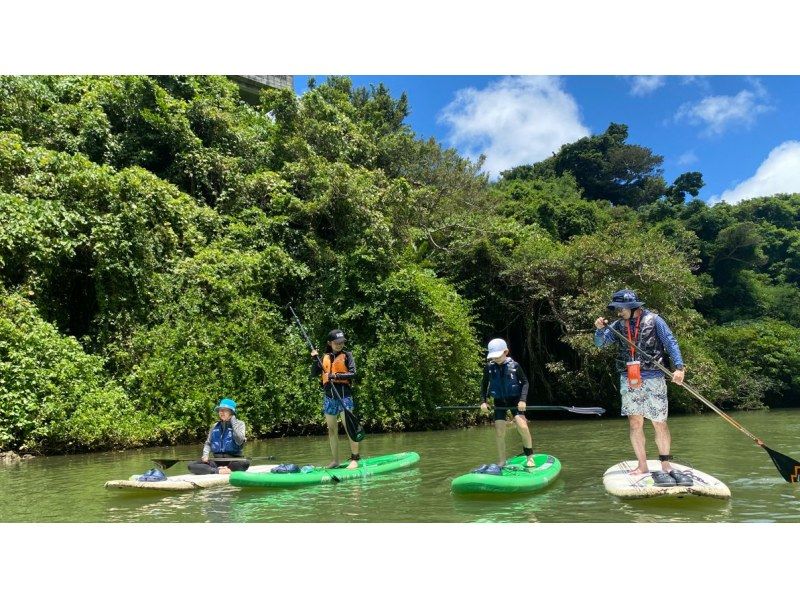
x: 787, y: 467
x: 353, y: 427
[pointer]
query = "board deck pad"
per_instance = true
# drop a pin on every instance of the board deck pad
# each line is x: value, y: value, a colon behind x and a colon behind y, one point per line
x: 367, y: 466
x: 618, y: 481
x: 188, y: 481
x: 514, y: 478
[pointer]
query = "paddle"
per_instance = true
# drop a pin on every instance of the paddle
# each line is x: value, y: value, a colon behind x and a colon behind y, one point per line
x: 578, y: 410
x: 787, y: 467
x: 167, y: 462
x: 351, y: 424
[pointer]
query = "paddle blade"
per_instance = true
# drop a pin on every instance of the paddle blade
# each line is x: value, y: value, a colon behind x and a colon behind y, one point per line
x: 586, y: 410
x: 787, y: 467
x: 353, y: 427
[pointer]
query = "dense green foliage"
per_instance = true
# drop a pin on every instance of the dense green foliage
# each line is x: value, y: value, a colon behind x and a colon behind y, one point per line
x: 154, y: 230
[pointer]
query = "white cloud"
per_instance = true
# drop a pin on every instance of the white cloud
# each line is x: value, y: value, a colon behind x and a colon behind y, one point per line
x: 700, y: 80
x: 718, y: 113
x: 513, y: 121
x: 645, y: 84
x: 687, y: 158
x: 779, y: 173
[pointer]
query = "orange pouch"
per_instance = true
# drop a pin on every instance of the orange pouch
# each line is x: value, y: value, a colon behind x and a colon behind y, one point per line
x: 634, y: 374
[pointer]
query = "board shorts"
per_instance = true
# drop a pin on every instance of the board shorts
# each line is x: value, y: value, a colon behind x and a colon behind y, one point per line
x: 332, y: 406
x: 649, y: 400
x: 502, y: 406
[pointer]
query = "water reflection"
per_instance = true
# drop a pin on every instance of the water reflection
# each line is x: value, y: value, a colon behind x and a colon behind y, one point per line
x: 70, y: 488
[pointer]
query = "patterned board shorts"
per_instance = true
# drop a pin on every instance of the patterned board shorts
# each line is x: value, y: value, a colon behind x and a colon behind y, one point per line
x: 649, y: 400
x: 331, y: 406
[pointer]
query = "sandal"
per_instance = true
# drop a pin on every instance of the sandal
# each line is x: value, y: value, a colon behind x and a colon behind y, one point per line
x: 493, y: 469
x: 662, y: 478
x: 681, y: 478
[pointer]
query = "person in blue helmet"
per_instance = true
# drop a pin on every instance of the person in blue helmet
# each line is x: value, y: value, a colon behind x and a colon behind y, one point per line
x: 225, y: 440
x: 642, y: 385
x: 506, y: 382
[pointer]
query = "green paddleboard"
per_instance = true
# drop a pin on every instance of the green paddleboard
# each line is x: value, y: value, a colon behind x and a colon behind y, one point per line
x: 515, y: 477
x: 320, y: 475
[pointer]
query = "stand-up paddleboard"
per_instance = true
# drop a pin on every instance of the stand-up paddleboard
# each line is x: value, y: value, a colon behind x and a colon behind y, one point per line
x: 514, y: 477
x: 368, y: 466
x: 619, y: 482
x: 188, y: 481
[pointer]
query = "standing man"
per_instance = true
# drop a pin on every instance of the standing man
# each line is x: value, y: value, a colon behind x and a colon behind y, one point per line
x: 642, y: 385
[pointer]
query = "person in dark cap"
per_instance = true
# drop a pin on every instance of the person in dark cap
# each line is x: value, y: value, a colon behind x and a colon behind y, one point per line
x: 642, y: 385
x: 337, y: 373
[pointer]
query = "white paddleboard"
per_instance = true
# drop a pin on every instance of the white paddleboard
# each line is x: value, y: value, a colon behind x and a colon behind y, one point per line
x: 619, y: 482
x: 187, y: 481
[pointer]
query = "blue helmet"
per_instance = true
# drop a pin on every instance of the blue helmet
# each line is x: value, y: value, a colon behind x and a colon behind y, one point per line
x: 226, y: 403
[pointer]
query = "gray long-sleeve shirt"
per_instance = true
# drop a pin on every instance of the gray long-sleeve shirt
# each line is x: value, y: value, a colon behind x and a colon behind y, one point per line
x: 238, y: 434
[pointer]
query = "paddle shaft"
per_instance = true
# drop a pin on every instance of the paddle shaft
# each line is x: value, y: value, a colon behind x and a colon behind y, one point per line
x: 579, y: 410
x: 692, y: 391
x: 166, y: 463
x: 319, y: 361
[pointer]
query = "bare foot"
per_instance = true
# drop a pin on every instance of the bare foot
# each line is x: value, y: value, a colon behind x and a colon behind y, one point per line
x: 530, y: 463
x: 353, y: 465
x: 332, y: 464
x: 223, y: 469
x: 638, y: 471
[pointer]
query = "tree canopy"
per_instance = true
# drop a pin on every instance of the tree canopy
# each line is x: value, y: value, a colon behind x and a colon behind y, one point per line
x: 155, y: 229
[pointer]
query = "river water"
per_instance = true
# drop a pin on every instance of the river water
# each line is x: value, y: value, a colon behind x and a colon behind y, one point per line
x: 70, y: 488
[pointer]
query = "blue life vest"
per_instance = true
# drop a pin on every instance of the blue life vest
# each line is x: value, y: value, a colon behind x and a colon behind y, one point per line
x: 503, y: 380
x: 223, y: 442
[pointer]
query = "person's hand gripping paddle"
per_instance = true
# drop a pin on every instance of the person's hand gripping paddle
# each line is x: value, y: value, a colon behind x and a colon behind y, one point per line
x: 352, y: 426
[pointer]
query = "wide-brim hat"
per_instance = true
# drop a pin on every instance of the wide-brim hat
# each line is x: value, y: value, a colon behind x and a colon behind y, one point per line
x: 625, y: 299
x: 226, y: 403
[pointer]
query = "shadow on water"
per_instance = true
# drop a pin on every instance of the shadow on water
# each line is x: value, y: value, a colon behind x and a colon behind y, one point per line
x: 502, y: 508
x: 354, y: 500
x: 673, y: 509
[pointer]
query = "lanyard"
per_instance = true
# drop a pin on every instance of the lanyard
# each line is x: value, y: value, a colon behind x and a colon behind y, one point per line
x: 635, y: 338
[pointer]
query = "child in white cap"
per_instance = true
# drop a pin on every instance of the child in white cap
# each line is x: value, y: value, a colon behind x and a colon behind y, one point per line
x: 506, y: 383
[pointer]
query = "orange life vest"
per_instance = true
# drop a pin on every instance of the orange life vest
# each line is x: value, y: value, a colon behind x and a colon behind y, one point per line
x: 339, y: 367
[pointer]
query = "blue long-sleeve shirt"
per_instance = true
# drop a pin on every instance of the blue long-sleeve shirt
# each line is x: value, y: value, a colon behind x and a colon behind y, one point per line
x: 606, y: 337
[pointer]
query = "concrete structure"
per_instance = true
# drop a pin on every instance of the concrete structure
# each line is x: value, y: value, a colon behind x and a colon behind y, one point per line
x: 251, y: 85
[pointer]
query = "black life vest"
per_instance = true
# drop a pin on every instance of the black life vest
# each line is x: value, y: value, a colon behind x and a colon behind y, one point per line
x: 647, y: 341
x: 504, y: 380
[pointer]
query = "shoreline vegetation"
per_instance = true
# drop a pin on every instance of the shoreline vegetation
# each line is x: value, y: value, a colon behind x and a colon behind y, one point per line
x: 156, y: 228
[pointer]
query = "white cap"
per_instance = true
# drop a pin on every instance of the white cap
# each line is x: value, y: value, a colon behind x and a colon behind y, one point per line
x: 496, y: 348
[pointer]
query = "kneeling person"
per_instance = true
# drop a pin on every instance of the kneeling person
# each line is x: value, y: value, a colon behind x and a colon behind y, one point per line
x: 225, y: 439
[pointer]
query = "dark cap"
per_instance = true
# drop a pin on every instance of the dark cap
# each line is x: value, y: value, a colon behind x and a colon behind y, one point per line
x: 336, y: 335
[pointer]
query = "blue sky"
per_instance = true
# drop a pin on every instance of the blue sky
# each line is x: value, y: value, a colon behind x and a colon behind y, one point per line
x: 742, y: 133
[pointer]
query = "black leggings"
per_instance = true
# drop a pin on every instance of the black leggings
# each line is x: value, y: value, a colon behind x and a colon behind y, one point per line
x: 200, y: 468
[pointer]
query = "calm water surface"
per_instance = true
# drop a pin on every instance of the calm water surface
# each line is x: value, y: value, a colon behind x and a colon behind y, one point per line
x: 70, y: 488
